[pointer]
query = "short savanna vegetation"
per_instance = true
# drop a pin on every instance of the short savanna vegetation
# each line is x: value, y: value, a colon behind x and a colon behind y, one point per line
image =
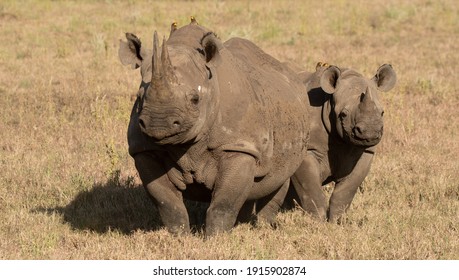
x: 69, y: 189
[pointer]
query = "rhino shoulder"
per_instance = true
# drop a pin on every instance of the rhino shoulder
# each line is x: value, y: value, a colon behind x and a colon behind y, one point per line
x: 262, y: 152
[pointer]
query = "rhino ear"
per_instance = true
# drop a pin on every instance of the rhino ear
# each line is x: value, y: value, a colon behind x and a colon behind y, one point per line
x: 385, y: 78
x: 212, y: 47
x: 130, y: 52
x: 329, y: 78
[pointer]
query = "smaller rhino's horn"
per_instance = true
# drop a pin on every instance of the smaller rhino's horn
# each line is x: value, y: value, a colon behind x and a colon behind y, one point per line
x: 365, y: 98
x: 166, y: 64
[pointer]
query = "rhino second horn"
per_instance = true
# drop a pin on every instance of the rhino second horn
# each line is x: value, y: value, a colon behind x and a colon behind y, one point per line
x: 159, y: 83
x: 168, y: 70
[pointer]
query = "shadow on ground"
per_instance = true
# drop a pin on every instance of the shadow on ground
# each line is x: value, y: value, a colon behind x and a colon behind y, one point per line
x: 121, y: 206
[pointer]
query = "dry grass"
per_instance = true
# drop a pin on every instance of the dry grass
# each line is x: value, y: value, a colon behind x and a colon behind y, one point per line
x: 69, y: 190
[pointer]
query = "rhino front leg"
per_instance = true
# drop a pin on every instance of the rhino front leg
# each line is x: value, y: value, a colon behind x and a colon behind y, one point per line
x: 167, y: 198
x: 345, y: 189
x: 308, y: 186
x: 268, y: 207
x: 232, y: 187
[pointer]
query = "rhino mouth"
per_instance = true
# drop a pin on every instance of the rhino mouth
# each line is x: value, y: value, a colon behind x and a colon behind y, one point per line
x: 159, y: 135
x: 364, y: 142
x: 168, y: 129
x: 368, y: 140
x: 164, y: 135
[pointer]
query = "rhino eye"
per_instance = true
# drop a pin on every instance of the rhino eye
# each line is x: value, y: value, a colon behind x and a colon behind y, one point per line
x: 201, y: 51
x: 194, y: 98
x: 209, y: 73
x: 343, y: 114
x: 382, y: 113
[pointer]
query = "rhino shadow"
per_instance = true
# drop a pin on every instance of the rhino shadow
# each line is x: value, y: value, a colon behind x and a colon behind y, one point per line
x: 119, y: 206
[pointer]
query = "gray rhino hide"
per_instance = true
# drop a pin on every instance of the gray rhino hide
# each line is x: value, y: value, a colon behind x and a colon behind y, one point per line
x: 331, y: 158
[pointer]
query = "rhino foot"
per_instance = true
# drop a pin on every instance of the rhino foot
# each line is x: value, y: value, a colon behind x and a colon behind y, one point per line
x: 230, y: 192
x: 165, y: 195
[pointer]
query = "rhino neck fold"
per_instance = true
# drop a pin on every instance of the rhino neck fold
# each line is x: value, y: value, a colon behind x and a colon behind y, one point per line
x: 327, y: 118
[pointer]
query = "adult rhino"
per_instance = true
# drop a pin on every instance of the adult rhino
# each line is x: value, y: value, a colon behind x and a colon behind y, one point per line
x: 346, y: 125
x: 213, y: 121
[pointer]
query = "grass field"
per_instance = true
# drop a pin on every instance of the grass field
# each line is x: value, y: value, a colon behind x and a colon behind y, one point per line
x: 69, y: 189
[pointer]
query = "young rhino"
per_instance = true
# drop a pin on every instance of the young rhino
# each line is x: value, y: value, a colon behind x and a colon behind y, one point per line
x: 346, y: 124
x: 218, y: 122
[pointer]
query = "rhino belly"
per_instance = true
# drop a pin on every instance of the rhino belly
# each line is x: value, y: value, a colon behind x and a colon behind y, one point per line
x: 197, y: 192
x: 277, y: 176
x: 289, y: 149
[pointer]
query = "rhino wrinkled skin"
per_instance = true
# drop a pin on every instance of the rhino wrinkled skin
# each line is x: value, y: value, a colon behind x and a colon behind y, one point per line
x: 218, y: 122
x: 346, y: 124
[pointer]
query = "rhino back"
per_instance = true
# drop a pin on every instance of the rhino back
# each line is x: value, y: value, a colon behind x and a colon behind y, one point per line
x: 189, y: 35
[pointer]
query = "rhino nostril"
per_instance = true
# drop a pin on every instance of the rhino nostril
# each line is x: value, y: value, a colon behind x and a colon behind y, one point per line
x: 176, y: 123
x: 358, y: 130
x: 142, y: 123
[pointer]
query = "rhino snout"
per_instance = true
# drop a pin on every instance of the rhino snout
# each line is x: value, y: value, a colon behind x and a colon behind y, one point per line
x: 362, y: 132
x: 160, y: 128
x: 142, y: 124
x: 359, y: 131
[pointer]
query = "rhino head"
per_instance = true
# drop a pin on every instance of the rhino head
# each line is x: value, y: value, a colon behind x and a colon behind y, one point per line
x: 358, y: 113
x: 178, y: 94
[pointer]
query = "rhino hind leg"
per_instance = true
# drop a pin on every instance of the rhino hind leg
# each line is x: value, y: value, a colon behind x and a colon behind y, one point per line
x: 165, y: 195
x: 308, y: 186
x: 268, y: 207
x: 231, y: 189
x: 247, y: 213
